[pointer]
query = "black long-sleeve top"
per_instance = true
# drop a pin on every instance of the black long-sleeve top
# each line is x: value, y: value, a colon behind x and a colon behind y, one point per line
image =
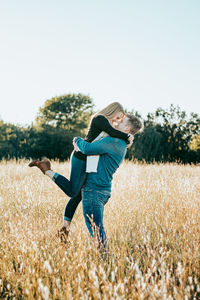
x: 99, y: 124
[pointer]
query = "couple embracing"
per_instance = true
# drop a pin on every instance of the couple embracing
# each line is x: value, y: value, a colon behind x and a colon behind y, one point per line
x: 93, y: 163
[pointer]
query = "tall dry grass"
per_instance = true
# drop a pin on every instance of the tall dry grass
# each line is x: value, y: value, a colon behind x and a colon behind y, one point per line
x: 152, y: 223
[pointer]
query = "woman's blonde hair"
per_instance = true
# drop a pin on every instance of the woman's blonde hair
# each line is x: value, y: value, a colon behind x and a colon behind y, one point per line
x: 110, y: 110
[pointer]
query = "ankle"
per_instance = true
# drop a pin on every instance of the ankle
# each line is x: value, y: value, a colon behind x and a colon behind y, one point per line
x: 66, y: 224
x: 50, y: 173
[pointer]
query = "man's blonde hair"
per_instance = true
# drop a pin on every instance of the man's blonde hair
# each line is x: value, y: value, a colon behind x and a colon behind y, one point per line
x: 135, y: 123
x: 111, y: 110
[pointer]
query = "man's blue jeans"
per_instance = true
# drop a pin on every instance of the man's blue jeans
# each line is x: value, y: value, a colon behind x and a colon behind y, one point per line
x: 93, y: 202
x: 72, y: 187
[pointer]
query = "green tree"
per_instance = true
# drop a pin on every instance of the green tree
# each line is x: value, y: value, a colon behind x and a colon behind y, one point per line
x: 58, y: 121
x: 177, y: 129
x: 167, y: 137
x: 51, y: 142
x: 4, y: 147
x: 195, y: 143
x: 70, y: 112
x: 147, y: 145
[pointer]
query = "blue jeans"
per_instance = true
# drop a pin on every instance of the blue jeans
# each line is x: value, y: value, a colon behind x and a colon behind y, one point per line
x: 93, y: 202
x: 71, y: 207
x: 72, y: 187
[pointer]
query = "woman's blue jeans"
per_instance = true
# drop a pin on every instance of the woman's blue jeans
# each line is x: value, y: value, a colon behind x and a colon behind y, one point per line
x: 73, y: 186
x: 93, y: 202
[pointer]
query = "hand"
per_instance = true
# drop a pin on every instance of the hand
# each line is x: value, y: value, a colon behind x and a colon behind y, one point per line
x: 75, y: 146
x: 130, y: 140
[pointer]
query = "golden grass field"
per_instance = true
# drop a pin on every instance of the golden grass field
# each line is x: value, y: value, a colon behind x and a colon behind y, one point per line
x: 152, y: 223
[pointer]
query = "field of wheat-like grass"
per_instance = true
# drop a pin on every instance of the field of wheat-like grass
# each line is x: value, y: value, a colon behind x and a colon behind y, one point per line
x: 152, y: 223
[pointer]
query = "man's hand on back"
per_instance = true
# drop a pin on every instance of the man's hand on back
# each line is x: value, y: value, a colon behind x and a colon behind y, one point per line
x: 74, y: 144
x: 130, y: 140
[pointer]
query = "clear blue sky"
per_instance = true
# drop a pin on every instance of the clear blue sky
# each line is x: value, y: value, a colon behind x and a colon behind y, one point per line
x: 143, y: 53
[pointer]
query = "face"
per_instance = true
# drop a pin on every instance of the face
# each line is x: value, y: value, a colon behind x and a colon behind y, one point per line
x: 124, y: 125
x: 118, y: 118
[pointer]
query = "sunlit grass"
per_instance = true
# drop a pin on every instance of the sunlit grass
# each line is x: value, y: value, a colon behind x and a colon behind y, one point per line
x: 152, y: 223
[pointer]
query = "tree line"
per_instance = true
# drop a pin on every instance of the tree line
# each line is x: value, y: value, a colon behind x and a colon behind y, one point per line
x: 169, y: 135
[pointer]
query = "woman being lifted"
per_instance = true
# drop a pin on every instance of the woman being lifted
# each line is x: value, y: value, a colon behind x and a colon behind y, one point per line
x: 102, y: 121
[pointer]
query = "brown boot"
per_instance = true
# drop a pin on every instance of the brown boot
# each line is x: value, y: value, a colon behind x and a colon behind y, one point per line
x: 43, y: 165
x: 63, y: 234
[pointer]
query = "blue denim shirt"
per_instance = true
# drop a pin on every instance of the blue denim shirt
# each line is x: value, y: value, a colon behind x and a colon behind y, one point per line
x: 112, y: 152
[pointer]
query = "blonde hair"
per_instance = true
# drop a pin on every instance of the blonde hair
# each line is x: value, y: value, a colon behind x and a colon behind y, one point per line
x: 110, y: 110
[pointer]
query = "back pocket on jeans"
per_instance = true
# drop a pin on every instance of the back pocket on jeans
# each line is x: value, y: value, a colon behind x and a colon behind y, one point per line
x: 103, y: 197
